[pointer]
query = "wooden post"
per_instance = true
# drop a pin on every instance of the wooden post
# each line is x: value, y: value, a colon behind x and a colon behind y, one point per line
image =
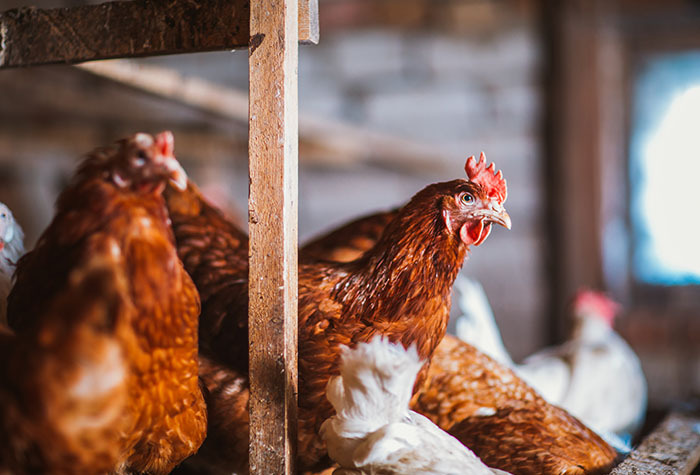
x: 272, y: 149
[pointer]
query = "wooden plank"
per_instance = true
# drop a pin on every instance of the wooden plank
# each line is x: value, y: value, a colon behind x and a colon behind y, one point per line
x: 672, y: 449
x: 272, y: 214
x: 31, y: 36
x: 309, y: 29
x: 325, y: 140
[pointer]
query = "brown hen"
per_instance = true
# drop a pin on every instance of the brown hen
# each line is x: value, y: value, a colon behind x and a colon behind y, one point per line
x: 524, y: 434
x: 502, y: 420
x: 349, y: 241
x: 63, y: 385
x: 400, y: 288
x: 114, y: 207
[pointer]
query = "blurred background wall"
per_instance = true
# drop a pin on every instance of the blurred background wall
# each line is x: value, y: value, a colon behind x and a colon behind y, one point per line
x: 545, y: 88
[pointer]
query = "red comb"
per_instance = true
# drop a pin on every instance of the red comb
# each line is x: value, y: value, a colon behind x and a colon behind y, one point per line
x: 492, y: 180
x: 165, y: 143
x: 597, y: 303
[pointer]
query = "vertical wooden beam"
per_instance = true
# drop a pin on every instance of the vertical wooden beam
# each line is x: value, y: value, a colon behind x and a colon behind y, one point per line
x: 273, y: 156
x: 575, y: 142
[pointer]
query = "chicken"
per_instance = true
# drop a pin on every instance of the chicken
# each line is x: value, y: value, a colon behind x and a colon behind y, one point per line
x: 607, y: 389
x: 503, y: 420
x: 11, y: 249
x: 494, y: 386
x: 349, y: 241
x: 62, y: 405
x: 477, y: 326
x: 214, y: 252
x: 400, y: 288
x: 374, y: 431
x: 225, y: 449
x: 115, y: 208
x: 595, y: 375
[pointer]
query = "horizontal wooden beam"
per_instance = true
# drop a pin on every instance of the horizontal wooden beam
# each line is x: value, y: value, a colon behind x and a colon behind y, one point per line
x: 324, y: 141
x: 672, y: 449
x: 124, y: 29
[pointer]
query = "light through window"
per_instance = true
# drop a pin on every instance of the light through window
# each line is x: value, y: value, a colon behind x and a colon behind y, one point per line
x: 665, y: 172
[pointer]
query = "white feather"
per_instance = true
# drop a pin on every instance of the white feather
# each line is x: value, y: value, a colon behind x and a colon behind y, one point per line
x: 374, y: 431
x: 12, y: 238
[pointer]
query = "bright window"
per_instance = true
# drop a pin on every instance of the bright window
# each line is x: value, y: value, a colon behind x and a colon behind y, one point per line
x: 665, y: 171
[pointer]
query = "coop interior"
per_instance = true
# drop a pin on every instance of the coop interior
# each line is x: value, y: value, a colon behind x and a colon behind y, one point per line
x: 589, y: 108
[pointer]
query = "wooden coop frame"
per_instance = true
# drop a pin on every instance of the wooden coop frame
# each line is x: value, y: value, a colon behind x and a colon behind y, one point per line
x: 271, y: 30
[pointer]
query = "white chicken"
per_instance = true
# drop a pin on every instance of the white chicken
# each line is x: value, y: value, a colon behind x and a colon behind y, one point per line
x: 374, y: 432
x: 595, y: 376
x: 11, y: 249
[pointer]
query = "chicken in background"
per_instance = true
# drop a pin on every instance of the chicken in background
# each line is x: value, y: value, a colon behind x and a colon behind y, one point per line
x: 11, y: 249
x: 374, y: 431
x: 114, y: 208
x: 607, y: 389
x: 477, y: 326
x: 595, y: 376
x: 502, y: 420
x: 400, y: 288
x: 349, y: 241
x: 63, y: 385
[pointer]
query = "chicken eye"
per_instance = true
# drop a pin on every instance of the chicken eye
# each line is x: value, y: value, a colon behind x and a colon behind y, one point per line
x: 467, y: 199
x: 140, y: 159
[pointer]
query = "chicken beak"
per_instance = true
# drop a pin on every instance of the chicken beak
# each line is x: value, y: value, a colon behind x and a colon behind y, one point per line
x: 495, y: 212
x: 177, y: 173
x: 502, y: 218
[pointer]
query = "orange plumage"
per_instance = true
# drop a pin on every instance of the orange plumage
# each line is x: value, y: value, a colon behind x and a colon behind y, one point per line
x: 63, y: 384
x: 400, y: 288
x: 115, y: 208
x: 504, y: 421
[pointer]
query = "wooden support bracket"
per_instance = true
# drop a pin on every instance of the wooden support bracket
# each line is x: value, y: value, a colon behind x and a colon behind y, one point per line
x: 121, y: 29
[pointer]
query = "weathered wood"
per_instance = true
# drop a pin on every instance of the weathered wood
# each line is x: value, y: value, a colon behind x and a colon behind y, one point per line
x: 31, y: 36
x: 272, y: 213
x: 672, y: 449
x: 323, y: 140
x: 309, y: 29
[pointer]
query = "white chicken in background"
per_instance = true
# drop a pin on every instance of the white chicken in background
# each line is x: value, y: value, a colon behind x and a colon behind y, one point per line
x: 374, y: 431
x: 607, y: 390
x: 11, y: 249
x: 595, y: 375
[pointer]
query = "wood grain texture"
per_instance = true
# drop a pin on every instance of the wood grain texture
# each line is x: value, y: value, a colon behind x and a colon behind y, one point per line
x: 309, y: 31
x: 273, y: 287
x: 672, y: 449
x: 31, y: 36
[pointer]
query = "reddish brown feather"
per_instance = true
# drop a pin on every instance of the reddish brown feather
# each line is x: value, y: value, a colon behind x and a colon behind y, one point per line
x: 96, y: 216
x: 349, y: 241
x: 400, y: 288
x: 504, y: 421
x: 46, y: 424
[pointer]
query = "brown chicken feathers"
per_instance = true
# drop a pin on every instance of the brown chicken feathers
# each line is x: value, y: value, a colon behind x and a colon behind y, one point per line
x: 113, y: 213
x: 400, y: 288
